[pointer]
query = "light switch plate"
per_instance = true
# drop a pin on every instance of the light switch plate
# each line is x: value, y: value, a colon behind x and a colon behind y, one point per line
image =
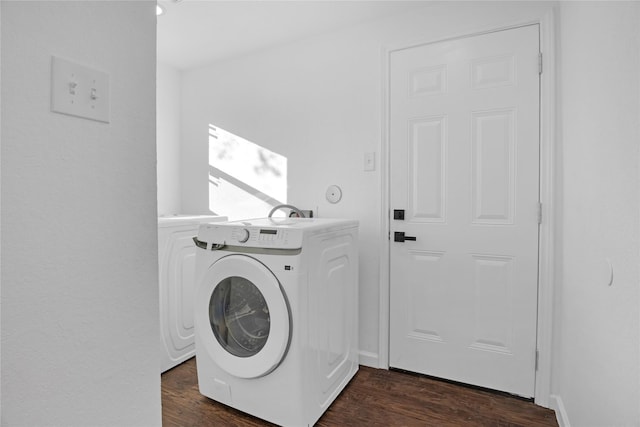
x: 79, y: 91
x: 369, y: 161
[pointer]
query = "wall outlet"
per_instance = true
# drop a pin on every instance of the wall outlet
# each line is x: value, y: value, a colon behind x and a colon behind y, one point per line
x: 306, y: 213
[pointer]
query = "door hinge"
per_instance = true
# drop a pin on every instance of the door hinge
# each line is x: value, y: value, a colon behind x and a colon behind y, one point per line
x: 540, y: 63
x: 537, y: 359
x: 539, y: 213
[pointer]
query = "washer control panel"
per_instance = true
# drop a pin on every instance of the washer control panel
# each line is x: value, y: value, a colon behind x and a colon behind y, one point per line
x: 247, y: 235
x: 260, y: 237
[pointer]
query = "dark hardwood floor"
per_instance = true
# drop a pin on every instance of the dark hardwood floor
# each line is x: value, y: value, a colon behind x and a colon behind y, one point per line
x: 375, y: 397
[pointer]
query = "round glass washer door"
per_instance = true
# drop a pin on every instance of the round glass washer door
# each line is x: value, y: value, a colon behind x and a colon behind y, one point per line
x: 243, y: 316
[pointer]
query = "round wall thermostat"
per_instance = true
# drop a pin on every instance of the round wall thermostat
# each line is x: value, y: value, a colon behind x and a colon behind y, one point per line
x: 334, y: 194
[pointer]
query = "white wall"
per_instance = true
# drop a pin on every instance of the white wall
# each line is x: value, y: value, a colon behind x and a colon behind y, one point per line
x: 168, y: 139
x: 597, y: 360
x: 318, y: 102
x: 79, y: 236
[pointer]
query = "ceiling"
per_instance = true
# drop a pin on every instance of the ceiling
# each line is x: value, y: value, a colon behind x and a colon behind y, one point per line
x: 192, y: 33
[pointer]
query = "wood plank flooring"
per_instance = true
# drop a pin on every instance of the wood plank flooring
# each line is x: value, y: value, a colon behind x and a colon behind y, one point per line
x: 375, y: 397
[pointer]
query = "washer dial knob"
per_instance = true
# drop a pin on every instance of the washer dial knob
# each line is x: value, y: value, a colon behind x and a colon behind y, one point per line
x: 243, y: 235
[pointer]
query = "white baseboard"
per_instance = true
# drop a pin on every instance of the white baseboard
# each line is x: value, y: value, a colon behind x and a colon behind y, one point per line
x: 555, y: 402
x: 369, y: 359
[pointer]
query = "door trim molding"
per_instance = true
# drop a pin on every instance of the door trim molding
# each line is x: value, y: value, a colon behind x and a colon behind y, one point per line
x: 548, y: 194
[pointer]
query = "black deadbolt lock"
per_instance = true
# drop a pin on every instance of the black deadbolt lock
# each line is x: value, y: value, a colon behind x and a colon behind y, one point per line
x: 398, y: 214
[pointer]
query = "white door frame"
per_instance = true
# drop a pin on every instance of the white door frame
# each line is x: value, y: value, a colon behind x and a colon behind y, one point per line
x: 546, y: 244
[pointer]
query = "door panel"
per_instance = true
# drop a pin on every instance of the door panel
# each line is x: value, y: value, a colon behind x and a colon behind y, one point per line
x: 493, y: 167
x: 464, y: 164
x: 428, y: 168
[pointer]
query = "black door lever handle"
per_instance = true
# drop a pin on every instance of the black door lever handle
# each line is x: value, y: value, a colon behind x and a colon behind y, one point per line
x: 398, y: 236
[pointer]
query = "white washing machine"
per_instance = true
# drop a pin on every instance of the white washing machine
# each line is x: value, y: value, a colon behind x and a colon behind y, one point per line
x: 177, y: 271
x: 276, y: 315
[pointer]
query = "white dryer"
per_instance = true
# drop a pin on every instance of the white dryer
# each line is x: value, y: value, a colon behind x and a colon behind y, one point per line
x: 275, y: 315
x: 177, y: 270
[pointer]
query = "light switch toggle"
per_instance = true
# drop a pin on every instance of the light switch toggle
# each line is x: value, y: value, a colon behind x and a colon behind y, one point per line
x: 72, y: 87
x: 94, y: 93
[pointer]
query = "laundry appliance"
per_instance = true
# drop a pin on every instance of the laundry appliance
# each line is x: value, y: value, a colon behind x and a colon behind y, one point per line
x: 177, y: 270
x: 276, y: 315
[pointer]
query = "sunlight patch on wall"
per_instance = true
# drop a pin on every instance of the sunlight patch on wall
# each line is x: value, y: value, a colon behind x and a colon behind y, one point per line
x: 245, y: 179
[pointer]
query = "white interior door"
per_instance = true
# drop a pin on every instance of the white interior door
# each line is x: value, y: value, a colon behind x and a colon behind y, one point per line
x: 464, y: 167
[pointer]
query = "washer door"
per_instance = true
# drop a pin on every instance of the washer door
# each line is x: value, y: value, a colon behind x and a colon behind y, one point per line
x: 242, y: 316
